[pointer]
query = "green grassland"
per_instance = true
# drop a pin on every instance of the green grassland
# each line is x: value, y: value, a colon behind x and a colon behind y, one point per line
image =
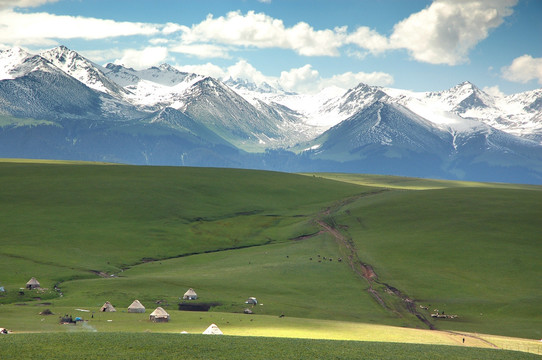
x: 89, y: 217
x: 171, y: 346
x: 471, y: 252
x: 469, y: 249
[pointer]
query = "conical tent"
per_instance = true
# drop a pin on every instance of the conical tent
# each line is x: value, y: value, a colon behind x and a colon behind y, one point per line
x: 136, y: 307
x: 32, y: 283
x: 190, y: 294
x: 107, y: 307
x: 213, y: 330
x: 159, y: 315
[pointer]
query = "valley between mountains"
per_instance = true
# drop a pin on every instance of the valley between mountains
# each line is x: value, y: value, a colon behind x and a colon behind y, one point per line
x: 61, y: 105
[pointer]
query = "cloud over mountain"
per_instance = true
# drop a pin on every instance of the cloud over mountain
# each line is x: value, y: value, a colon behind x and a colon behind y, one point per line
x: 524, y: 69
x: 447, y: 30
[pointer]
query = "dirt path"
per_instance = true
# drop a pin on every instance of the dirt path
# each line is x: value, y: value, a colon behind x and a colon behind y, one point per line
x: 470, y: 339
x: 364, y: 270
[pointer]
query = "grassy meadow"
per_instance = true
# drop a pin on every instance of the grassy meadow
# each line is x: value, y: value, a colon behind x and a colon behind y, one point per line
x: 173, y: 346
x: 118, y: 233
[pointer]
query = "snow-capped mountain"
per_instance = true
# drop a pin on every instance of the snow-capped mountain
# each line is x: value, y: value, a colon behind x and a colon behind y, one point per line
x: 246, y: 123
x: 34, y: 87
x: 243, y: 85
x: 386, y: 137
x: 517, y: 114
x: 153, y: 88
x: 58, y: 104
x: 83, y: 70
x: 16, y: 63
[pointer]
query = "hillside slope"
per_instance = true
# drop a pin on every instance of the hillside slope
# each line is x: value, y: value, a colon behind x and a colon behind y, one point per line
x: 230, y: 234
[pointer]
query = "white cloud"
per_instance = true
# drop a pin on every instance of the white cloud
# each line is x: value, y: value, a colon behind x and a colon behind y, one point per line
x: 348, y: 80
x: 171, y: 28
x: 308, y: 80
x: 159, y: 41
x: 262, y: 31
x: 303, y: 79
x: 524, y: 69
x: 201, y: 50
x: 494, y: 91
x: 142, y: 59
x: 207, y: 69
x: 101, y: 56
x: 45, y: 29
x: 10, y: 4
x: 443, y: 33
x: 447, y: 30
x: 243, y: 70
x: 368, y: 39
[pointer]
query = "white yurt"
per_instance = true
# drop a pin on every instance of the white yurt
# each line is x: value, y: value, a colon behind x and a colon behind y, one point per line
x: 213, y: 330
x: 136, y: 307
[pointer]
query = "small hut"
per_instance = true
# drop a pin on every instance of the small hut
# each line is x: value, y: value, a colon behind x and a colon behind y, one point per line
x: 251, y: 300
x: 136, y: 307
x: 213, y: 330
x: 32, y: 284
x: 190, y: 295
x: 107, y: 307
x: 159, y: 315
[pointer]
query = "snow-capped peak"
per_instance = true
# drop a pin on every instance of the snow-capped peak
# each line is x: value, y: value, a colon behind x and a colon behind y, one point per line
x: 241, y: 85
x: 16, y: 62
x: 82, y: 69
x: 9, y: 60
x: 163, y: 74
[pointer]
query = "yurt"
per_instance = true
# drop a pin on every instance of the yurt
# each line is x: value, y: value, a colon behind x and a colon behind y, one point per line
x: 159, y: 315
x: 190, y: 294
x: 136, y: 307
x: 251, y: 300
x: 213, y: 330
x: 107, y: 307
x: 32, y: 284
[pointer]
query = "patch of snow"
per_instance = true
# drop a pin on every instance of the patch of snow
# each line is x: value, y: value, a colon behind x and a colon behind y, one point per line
x: 9, y: 60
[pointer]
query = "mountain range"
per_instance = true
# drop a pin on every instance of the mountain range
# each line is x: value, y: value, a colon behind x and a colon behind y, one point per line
x: 58, y: 104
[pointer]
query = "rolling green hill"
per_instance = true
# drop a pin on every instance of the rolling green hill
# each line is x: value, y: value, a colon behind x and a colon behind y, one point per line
x: 117, y: 233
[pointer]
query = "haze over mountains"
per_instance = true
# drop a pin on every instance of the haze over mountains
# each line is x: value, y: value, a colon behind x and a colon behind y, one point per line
x: 61, y: 105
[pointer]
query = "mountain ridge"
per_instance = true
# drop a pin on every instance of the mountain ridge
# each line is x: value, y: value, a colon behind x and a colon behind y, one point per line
x: 335, y: 129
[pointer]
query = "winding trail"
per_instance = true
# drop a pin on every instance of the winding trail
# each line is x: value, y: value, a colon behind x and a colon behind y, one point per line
x: 364, y: 270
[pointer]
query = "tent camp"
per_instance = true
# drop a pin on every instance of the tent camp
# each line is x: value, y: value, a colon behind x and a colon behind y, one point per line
x: 32, y: 283
x: 190, y: 294
x: 251, y: 300
x: 107, y: 307
x: 213, y: 330
x: 159, y: 315
x: 136, y: 307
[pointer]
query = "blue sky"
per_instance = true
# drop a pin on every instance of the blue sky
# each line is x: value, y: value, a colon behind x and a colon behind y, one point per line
x: 301, y: 45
